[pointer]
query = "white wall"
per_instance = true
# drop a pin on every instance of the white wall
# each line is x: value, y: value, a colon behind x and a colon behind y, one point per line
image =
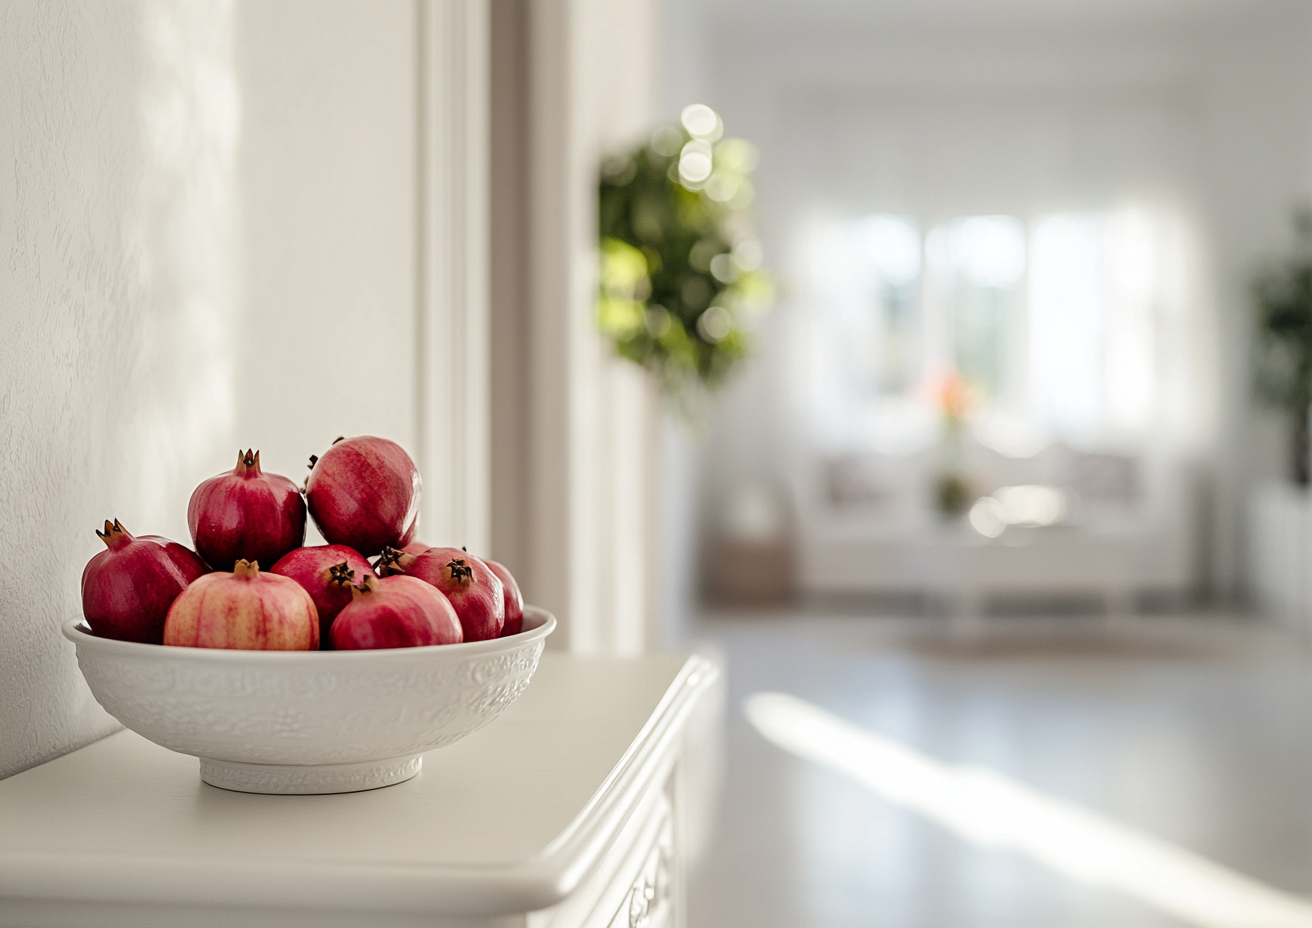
x: 1255, y: 163
x: 950, y: 107
x: 616, y: 458
x: 575, y: 439
x: 208, y: 229
x: 326, y: 188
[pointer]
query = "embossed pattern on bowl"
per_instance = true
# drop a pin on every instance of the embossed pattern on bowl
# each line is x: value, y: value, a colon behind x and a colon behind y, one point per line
x: 360, y: 717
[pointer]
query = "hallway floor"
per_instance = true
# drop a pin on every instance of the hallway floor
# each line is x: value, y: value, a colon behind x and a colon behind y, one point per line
x: 1193, y: 731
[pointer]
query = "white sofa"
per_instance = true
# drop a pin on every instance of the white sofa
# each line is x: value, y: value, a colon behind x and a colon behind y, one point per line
x: 866, y: 524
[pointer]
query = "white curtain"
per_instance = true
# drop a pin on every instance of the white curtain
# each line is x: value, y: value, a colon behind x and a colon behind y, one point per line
x: 1059, y: 327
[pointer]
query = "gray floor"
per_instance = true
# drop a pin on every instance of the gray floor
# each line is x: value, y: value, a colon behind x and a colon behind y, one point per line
x: 1197, y: 730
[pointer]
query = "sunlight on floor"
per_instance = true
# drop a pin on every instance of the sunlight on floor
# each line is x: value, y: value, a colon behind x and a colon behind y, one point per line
x: 989, y: 809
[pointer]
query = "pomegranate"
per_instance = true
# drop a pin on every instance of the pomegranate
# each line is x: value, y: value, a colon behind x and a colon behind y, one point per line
x: 244, y: 610
x: 127, y: 590
x: 247, y: 515
x: 395, y: 612
x: 416, y: 547
x: 364, y: 493
x: 327, y: 573
x: 471, y: 586
x: 513, y: 598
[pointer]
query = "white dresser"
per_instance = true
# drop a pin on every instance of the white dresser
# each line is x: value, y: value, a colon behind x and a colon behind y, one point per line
x: 569, y: 811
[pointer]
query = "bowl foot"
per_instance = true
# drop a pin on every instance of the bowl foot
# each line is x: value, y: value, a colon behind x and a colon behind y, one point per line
x: 291, y: 779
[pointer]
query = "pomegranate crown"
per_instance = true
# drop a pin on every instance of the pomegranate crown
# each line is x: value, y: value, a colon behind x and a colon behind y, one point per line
x: 247, y: 569
x: 366, y: 586
x: 393, y: 561
x: 341, y: 574
x: 113, y: 533
x: 314, y: 458
x: 461, y: 572
x: 248, y: 462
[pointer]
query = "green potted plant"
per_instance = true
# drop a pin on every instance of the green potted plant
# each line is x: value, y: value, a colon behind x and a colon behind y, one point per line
x: 1282, y: 298
x: 680, y: 266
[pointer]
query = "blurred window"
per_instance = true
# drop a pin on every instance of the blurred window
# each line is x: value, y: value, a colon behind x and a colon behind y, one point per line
x: 1052, y: 322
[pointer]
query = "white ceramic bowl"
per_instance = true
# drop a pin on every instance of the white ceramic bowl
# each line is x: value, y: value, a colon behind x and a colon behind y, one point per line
x: 308, y: 721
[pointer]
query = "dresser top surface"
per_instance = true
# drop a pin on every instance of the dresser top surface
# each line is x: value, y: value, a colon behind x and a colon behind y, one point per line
x: 514, y: 811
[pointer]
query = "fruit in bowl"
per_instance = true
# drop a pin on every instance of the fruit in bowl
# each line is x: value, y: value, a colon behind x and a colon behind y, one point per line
x: 395, y: 612
x: 328, y: 573
x: 471, y: 586
x: 514, y: 600
x: 308, y: 721
x: 364, y: 492
x: 225, y: 665
x: 246, y: 514
x: 243, y: 610
x: 127, y: 589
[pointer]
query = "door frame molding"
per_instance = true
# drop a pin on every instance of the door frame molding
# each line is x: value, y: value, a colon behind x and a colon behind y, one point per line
x: 453, y: 311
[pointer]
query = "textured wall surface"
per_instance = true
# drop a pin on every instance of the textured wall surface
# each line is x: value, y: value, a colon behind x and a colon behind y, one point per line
x: 207, y: 237
x: 326, y: 170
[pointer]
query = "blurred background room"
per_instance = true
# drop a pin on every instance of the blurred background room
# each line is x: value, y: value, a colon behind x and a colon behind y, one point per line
x: 1005, y: 433
x: 940, y: 367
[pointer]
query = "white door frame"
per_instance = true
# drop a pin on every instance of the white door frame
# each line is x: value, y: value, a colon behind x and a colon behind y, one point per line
x: 452, y: 236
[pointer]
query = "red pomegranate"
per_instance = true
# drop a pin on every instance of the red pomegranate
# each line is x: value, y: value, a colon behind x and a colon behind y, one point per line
x: 246, y: 515
x: 471, y: 586
x: 364, y: 493
x: 127, y: 589
x: 514, y: 599
x: 243, y: 610
x: 327, y: 573
x: 395, y: 612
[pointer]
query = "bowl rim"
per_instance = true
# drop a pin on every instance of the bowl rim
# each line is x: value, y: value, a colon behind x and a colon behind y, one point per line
x: 538, y: 624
